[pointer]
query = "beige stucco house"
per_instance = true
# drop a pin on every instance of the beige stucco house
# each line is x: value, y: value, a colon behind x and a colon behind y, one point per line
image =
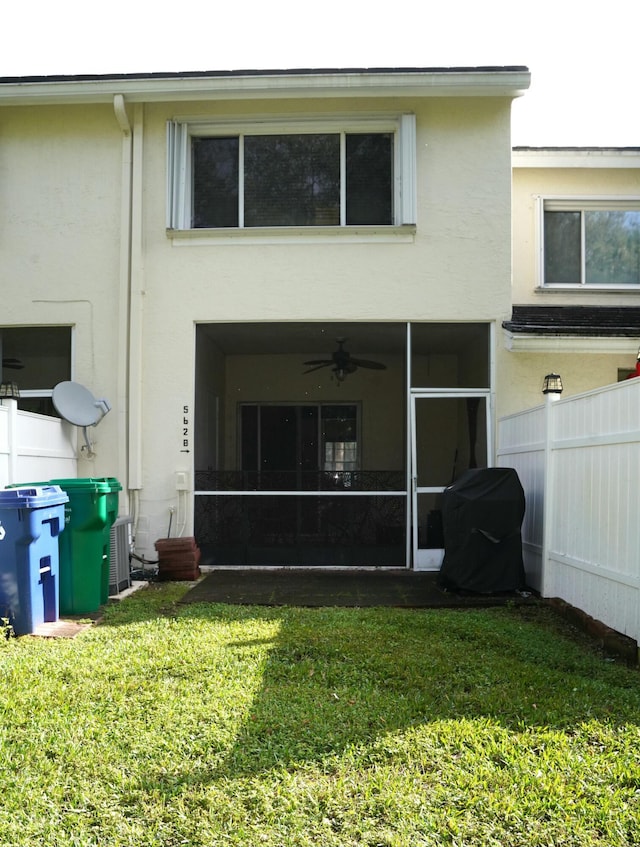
x: 576, y: 269
x: 295, y: 290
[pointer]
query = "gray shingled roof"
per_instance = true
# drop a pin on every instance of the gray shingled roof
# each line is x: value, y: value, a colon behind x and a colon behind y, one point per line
x: 272, y: 72
x: 575, y: 320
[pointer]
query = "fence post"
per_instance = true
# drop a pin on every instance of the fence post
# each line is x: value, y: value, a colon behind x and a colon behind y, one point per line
x: 12, y: 428
x: 548, y: 489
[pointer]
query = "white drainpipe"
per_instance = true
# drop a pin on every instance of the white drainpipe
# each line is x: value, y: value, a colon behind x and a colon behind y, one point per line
x: 129, y: 302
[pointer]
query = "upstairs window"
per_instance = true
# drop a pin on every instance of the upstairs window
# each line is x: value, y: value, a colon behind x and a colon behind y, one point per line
x: 309, y: 174
x: 591, y: 243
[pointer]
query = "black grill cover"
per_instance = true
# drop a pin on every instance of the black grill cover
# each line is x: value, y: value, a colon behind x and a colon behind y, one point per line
x: 482, y: 514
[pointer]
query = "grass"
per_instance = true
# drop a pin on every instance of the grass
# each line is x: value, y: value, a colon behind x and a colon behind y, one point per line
x: 220, y: 725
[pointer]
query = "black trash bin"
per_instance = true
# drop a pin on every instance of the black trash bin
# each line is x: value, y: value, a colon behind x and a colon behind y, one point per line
x: 482, y: 514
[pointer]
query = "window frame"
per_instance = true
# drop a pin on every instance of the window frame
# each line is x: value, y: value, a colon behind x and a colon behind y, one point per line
x: 181, y: 131
x: 581, y: 204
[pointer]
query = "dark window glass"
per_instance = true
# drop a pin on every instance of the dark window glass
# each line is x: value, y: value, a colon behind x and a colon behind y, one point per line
x: 339, y: 423
x: 278, y: 438
x: 36, y: 359
x: 292, y: 180
x: 285, y: 438
x: 249, y: 438
x: 309, y: 438
x: 215, y: 182
x: 562, y: 247
x: 369, y: 189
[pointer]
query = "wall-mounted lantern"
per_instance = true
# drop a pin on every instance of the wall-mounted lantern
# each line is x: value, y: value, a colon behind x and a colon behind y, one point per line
x: 9, y: 391
x: 552, y: 384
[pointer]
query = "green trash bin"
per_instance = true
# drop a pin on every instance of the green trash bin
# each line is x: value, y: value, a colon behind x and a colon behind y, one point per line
x: 84, y: 545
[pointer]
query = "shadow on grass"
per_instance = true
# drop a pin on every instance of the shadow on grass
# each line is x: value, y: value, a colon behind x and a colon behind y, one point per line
x: 152, y: 601
x: 338, y: 679
x: 342, y: 678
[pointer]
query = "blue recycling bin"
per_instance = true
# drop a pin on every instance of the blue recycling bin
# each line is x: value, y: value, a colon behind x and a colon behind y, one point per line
x: 31, y: 519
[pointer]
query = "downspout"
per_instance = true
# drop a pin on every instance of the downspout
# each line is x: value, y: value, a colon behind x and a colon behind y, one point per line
x: 130, y: 303
x: 124, y: 294
x: 136, y: 299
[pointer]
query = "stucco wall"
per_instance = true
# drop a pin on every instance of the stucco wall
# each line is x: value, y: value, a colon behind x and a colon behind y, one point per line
x: 521, y: 373
x: 530, y: 183
x: 61, y: 238
x: 60, y: 242
x: 457, y: 267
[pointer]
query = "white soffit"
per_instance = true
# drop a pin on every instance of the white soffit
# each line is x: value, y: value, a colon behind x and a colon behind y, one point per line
x: 520, y: 342
x: 463, y: 82
x: 575, y: 157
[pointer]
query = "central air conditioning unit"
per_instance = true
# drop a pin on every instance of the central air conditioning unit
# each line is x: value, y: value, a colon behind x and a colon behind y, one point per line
x: 119, y: 555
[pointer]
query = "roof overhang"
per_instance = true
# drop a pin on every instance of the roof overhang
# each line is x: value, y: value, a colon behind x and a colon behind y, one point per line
x: 575, y: 157
x: 530, y: 343
x: 573, y: 329
x: 511, y: 81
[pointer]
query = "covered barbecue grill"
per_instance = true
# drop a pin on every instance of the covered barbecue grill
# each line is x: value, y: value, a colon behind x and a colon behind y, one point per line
x: 482, y: 514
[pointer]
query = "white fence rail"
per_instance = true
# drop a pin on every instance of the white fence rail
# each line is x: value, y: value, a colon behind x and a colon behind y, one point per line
x: 579, y: 462
x: 34, y: 447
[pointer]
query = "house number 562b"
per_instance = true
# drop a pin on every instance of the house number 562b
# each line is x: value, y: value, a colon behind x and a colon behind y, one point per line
x: 185, y: 430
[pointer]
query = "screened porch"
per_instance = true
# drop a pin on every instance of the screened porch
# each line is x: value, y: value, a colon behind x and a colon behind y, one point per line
x: 305, y: 457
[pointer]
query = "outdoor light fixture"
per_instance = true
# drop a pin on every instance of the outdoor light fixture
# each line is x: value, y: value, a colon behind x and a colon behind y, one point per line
x: 9, y: 391
x: 552, y: 384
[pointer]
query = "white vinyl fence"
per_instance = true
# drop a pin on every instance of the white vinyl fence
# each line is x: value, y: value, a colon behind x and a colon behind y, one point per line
x: 34, y: 448
x: 579, y: 462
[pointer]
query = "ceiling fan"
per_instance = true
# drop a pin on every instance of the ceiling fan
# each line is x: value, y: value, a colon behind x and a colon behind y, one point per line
x: 342, y: 362
x: 13, y: 364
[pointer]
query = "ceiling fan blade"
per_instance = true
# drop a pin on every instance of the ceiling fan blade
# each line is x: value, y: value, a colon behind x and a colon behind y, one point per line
x: 342, y: 362
x: 317, y: 367
x: 15, y: 364
x: 365, y: 363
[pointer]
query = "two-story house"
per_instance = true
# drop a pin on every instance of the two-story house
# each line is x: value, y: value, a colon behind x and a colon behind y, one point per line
x: 290, y: 286
x: 576, y: 269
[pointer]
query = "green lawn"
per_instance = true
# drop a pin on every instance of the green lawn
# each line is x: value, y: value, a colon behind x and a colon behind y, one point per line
x: 220, y: 725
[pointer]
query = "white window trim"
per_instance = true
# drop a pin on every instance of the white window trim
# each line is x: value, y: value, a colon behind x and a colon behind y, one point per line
x: 564, y: 203
x: 178, y: 200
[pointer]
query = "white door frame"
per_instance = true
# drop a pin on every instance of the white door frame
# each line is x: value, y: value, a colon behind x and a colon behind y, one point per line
x: 430, y: 559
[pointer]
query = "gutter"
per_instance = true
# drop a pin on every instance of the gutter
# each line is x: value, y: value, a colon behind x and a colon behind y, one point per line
x: 511, y: 81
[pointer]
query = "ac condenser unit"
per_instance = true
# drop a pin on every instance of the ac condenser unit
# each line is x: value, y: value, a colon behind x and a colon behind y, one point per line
x: 119, y: 566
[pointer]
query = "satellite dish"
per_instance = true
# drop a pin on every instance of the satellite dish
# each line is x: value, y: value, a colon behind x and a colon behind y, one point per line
x: 76, y: 404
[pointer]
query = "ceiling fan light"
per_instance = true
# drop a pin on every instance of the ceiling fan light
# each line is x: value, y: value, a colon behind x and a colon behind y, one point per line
x: 342, y: 362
